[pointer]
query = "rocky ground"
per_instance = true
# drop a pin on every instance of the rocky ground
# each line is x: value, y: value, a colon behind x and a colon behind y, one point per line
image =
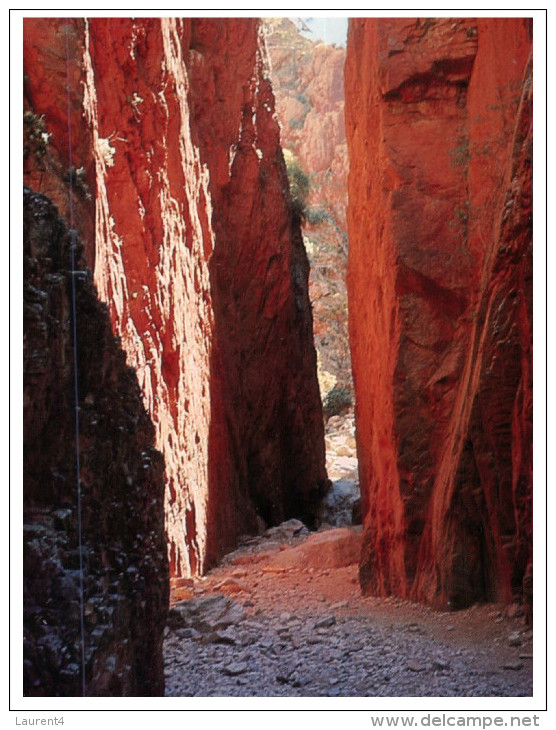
x: 341, y: 450
x: 283, y: 616
x: 341, y: 506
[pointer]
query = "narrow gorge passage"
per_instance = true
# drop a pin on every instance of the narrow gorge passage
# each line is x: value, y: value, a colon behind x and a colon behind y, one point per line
x: 222, y: 385
x: 307, y: 73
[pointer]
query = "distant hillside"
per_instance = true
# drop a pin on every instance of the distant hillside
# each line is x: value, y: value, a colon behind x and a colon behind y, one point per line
x: 307, y: 78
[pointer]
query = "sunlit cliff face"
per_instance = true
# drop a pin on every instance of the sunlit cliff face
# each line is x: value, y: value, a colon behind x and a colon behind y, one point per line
x: 189, y: 227
x: 163, y: 318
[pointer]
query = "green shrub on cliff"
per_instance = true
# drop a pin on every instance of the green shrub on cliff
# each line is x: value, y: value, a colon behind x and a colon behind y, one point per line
x: 337, y: 401
x: 299, y: 183
x: 35, y: 136
x: 317, y: 215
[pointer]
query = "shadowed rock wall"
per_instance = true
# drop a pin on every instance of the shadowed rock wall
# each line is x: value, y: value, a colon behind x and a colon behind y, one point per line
x: 125, y: 580
x: 438, y: 122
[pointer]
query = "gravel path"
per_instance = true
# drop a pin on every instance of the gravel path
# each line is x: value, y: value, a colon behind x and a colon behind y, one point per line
x: 253, y: 627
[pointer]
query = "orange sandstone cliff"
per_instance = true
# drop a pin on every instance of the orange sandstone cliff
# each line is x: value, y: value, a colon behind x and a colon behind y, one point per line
x: 181, y: 198
x: 438, y: 122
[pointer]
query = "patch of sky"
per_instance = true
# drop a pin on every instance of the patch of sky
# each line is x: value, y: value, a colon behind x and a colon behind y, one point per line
x: 329, y: 30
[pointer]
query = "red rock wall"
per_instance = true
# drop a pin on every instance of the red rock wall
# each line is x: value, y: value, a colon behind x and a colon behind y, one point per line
x: 259, y: 277
x: 438, y: 123
x: 195, y: 252
x: 47, y: 46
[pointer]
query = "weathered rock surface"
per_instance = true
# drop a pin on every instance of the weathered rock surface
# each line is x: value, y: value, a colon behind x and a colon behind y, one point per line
x: 207, y: 614
x: 328, y: 549
x: 440, y: 286
x: 182, y: 201
x: 125, y: 580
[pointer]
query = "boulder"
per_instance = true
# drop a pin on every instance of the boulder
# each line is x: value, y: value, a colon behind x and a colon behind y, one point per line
x: 333, y: 548
x: 211, y: 613
x: 338, y: 505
